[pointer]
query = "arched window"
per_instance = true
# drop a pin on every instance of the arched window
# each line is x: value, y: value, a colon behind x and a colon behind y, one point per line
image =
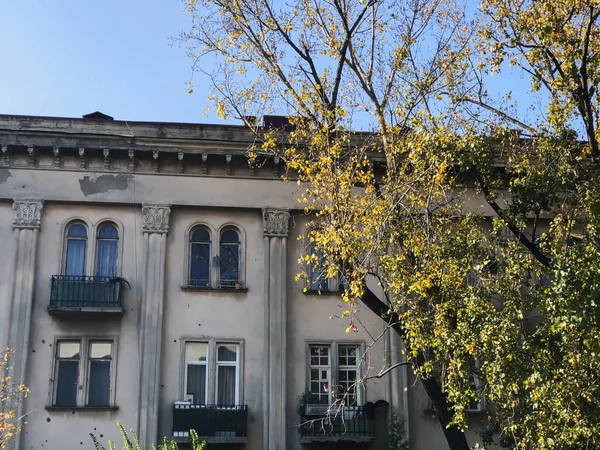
x: 229, y: 258
x: 107, y: 245
x: 317, y: 269
x: 199, y: 257
x: 76, y: 247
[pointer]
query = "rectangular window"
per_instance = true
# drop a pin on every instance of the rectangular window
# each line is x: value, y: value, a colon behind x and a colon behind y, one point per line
x: 100, y: 359
x: 212, y: 373
x: 196, y: 372
x: 476, y: 404
x: 86, y: 363
x: 348, y: 372
x: 334, y: 373
x: 67, y: 373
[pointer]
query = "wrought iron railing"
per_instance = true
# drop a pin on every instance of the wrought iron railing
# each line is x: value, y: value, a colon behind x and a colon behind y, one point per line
x: 216, y: 421
x: 337, y: 421
x: 74, y: 292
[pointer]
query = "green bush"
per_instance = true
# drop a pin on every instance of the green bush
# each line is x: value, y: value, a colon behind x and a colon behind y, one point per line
x: 131, y: 442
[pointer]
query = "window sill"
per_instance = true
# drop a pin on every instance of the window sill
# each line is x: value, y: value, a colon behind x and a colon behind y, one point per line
x: 469, y: 412
x: 82, y: 408
x: 322, y: 292
x: 192, y: 288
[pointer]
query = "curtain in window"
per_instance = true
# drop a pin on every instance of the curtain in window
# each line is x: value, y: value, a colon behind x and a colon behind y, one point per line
x: 229, y: 255
x: 76, y: 248
x: 226, y: 385
x: 107, y: 245
x: 66, y: 389
x: 99, y: 383
x: 196, y: 383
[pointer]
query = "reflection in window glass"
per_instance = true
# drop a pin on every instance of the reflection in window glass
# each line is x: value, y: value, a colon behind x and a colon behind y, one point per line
x: 229, y: 258
x: 200, y: 257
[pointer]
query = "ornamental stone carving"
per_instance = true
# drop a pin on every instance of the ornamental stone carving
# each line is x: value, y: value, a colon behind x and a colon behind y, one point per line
x: 275, y: 222
x: 155, y: 218
x: 27, y: 213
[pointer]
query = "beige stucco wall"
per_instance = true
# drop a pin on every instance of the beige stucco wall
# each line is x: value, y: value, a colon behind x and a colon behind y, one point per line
x: 215, y: 200
x: 66, y: 429
x: 6, y: 264
x: 219, y: 315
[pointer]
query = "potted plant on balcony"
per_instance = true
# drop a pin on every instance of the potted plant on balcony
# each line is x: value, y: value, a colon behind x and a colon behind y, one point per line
x: 306, y: 398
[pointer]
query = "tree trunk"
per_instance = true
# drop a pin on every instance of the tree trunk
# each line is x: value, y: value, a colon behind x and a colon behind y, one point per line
x: 454, y: 436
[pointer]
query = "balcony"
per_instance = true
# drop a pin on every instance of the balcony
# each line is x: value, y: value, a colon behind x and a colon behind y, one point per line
x: 77, y: 295
x: 336, y: 423
x: 213, y: 423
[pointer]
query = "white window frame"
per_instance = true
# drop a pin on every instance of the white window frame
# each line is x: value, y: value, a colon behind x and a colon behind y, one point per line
x: 196, y: 363
x: 83, y: 374
x: 477, y: 384
x: 212, y: 363
x: 235, y: 364
x: 334, y: 366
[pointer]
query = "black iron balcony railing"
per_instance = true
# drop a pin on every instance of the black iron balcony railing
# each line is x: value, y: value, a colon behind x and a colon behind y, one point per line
x: 81, y: 292
x: 213, y: 423
x: 336, y: 423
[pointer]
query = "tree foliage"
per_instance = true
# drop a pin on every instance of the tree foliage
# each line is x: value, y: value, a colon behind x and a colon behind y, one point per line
x: 11, y: 395
x: 478, y: 219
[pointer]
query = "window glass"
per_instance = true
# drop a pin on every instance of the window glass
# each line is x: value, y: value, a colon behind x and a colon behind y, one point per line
x: 67, y: 373
x: 347, y: 373
x: 196, y: 383
x: 226, y: 384
x: 101, y: 350
x: 196, y: 372
x: 76, y: 249
x: 196, y: 351
x: 201, y: 235
x: 229, y: 256
x: 200, y: 257
x: 77, y: 230
x: 107, y: 244
x: 227, y: 352
x: 320, y: 374
x: 100, y: 355
x: 317, y: 271
x: 68, y: 349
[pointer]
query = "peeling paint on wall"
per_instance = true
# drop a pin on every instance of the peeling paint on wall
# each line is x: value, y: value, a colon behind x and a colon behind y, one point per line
x: 4, y: 175
x: 101, y: 184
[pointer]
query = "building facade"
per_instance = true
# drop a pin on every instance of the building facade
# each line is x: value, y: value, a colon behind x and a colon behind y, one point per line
x: 150, y: 279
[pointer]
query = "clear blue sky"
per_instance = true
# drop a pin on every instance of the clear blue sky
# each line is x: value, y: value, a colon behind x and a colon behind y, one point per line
x: 73, y: 57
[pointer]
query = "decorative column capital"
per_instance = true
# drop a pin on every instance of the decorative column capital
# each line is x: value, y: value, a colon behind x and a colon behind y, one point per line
x: 27, y: 214
x: 155, y: 218
x: 275, y: 222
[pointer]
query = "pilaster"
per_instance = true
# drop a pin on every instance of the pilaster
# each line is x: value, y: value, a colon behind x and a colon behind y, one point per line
x: 275, y: 231
x: 155, y: 227
x: 27, y: 218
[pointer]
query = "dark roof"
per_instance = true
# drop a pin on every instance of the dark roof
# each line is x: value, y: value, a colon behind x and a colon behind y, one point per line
x: 97, y: 115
